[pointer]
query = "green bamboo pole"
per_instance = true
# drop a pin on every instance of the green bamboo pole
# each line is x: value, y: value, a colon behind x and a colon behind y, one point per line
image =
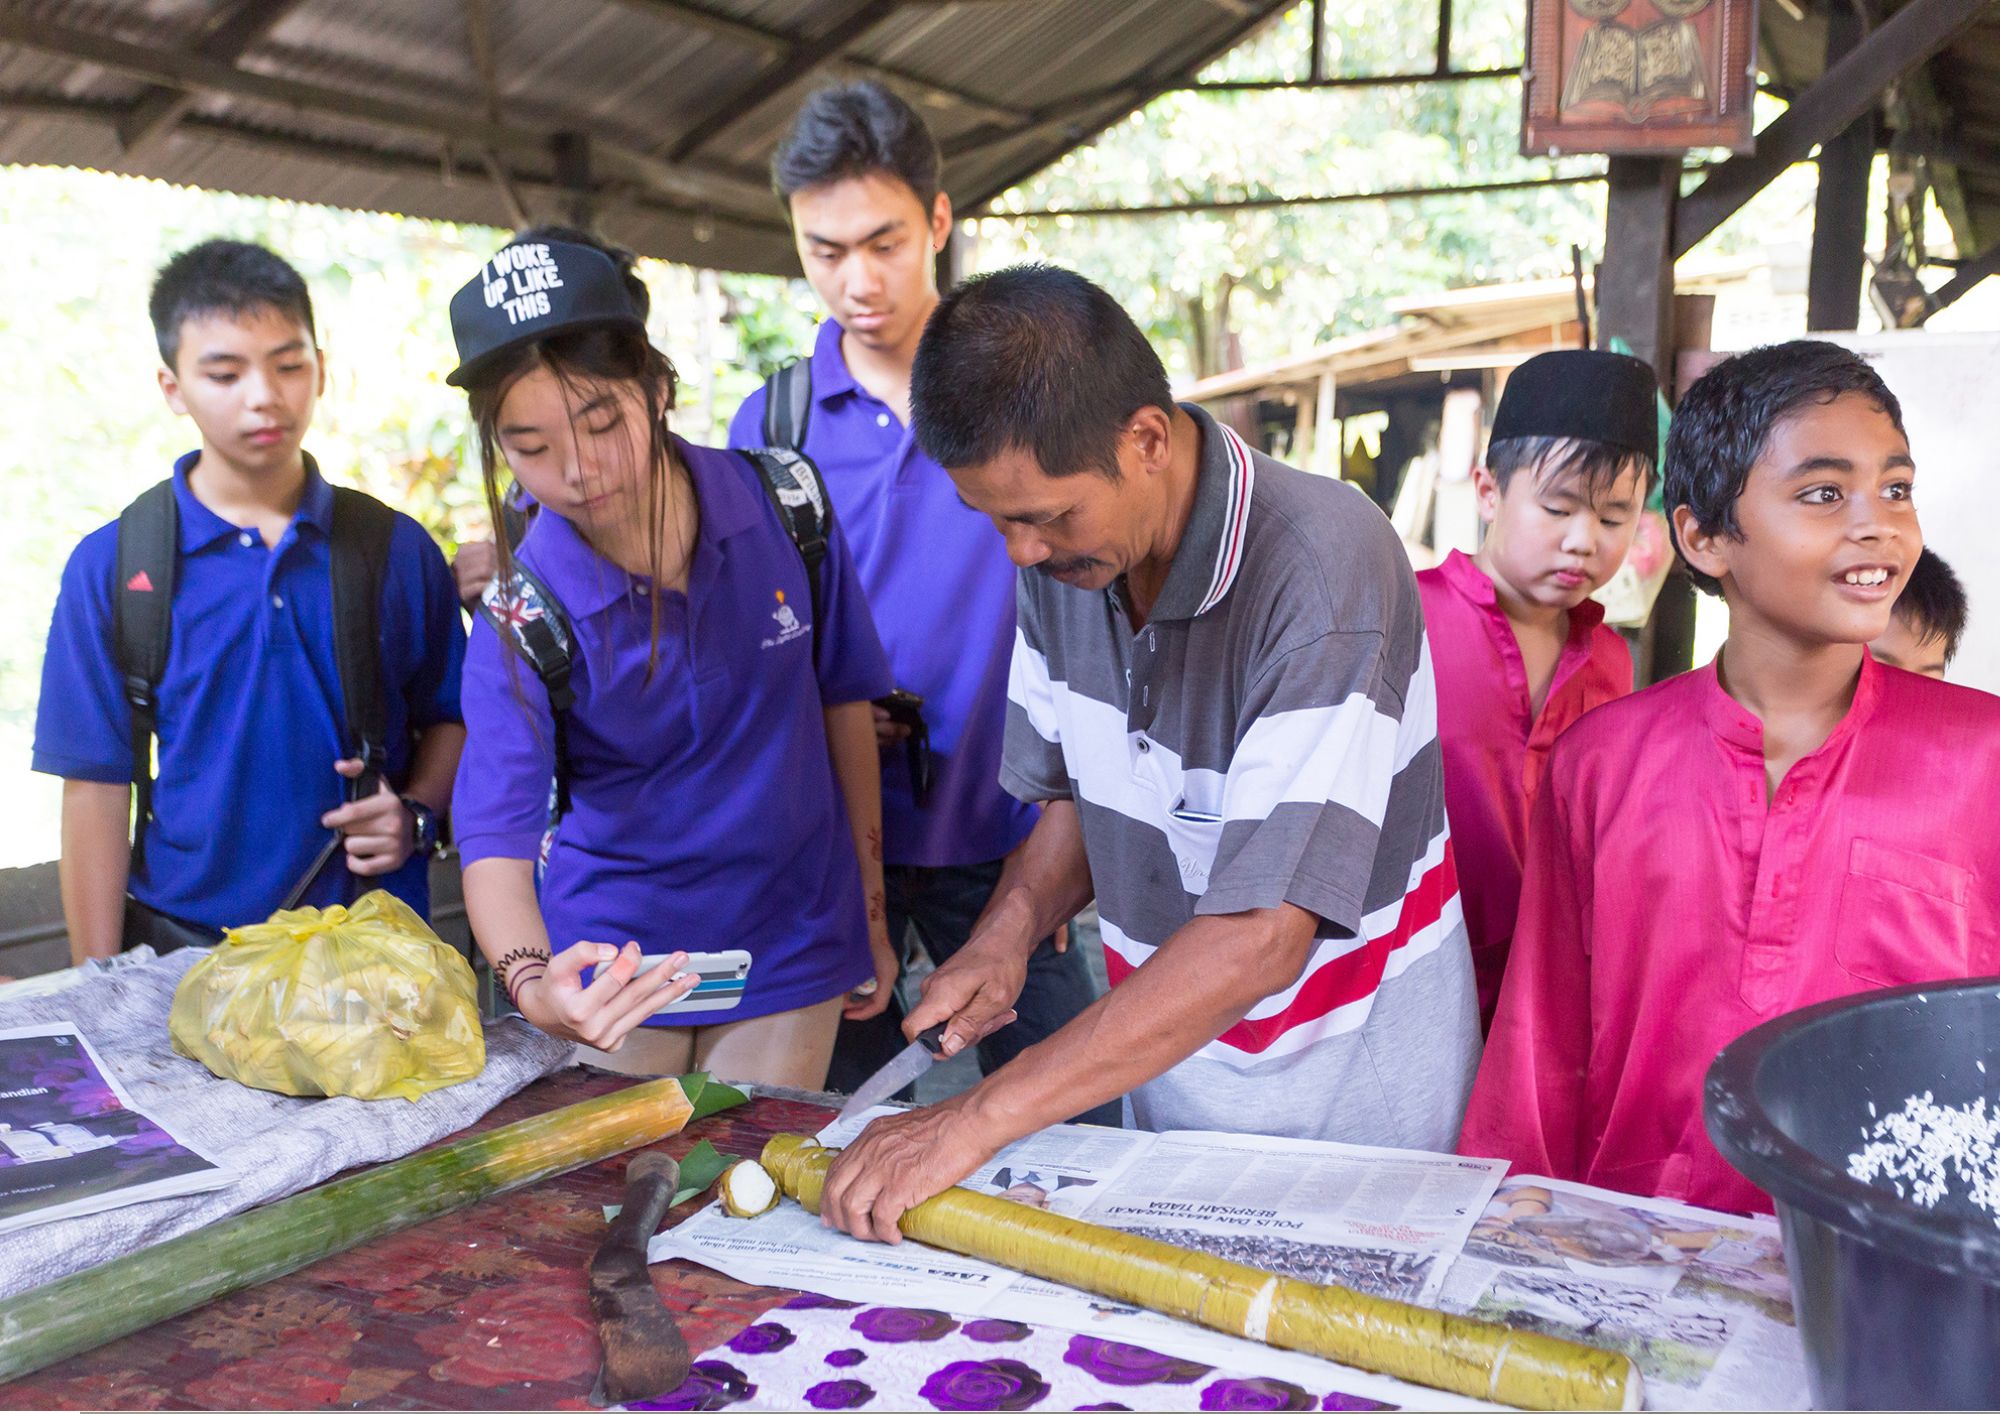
x: 1456, y: 1353
x: 85, y: 1310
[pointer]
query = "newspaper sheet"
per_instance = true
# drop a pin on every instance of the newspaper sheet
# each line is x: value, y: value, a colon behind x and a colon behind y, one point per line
x: 73, y: 1142
x: 1384, y: 1220
x: 1700, y: 1300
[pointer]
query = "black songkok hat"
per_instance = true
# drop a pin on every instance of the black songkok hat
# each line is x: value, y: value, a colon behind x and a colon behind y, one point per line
x: 1586, y: 394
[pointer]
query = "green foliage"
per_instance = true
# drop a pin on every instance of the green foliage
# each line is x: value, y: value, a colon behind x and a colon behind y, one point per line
x: 1280, y: 280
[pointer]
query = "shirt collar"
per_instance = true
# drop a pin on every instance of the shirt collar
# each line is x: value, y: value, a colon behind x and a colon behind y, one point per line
x: 1738, y: 725
x: 201, y: 527
x: 831, y: 376
x: 586, y: 582
x: 1463, y: 574
x: 1210, y: 554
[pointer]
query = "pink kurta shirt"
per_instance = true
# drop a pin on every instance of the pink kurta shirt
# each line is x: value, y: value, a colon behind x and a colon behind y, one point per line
x: 1495, y: 747
x: 1669, y: 907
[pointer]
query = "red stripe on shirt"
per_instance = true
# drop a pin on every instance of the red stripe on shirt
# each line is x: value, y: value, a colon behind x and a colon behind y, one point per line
x: 1350, y: 978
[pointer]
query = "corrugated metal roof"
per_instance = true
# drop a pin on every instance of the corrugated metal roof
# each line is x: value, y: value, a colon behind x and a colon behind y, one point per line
x: 380, y: 104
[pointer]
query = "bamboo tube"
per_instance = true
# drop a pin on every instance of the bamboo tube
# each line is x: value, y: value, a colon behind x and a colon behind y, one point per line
x: 1455, y: 1353
x: 89, y: 1308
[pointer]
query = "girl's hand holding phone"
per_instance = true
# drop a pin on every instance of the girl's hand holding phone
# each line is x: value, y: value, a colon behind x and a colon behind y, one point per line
x: 618, y: 998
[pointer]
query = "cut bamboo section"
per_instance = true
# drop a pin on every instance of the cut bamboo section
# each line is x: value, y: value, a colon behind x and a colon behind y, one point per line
x: 1455, y: 1353
x: 83, y: 1311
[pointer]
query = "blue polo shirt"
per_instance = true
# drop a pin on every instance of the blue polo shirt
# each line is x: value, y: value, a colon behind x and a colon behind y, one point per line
x: 704, y: 810
x: 941, y: 587
x: 251, y: 707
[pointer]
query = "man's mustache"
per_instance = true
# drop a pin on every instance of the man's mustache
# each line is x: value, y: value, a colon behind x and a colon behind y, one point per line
x: 1052, y: 568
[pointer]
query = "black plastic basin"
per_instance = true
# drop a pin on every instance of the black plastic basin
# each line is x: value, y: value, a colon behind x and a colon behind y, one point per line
x: 1898, y: 1305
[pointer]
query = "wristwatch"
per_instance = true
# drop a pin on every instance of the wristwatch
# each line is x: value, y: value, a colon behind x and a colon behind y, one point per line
x: 423, y: 827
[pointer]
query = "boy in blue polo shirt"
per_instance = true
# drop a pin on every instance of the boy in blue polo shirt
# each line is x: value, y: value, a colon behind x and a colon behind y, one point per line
x: 859, y: 178
x: 250, y: 781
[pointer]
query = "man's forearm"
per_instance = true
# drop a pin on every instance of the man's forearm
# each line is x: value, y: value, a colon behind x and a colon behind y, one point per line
x: 96, y: 865
x: 1045, y: 882
x: 1198, y: 984
x: 435, y: 766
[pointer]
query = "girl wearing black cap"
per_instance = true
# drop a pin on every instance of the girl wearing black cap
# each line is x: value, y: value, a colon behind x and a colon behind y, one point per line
x: 654, y: 649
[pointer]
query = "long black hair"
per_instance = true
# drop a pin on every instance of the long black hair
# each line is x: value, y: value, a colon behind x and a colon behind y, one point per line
x: 586, y: 362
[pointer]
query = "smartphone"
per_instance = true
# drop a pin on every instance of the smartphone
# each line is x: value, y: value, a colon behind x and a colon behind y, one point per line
x: 723, y: 975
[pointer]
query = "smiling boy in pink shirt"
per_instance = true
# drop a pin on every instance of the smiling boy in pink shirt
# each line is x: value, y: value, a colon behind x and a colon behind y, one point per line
x: 1519, y: 648
x: 1792, y: 823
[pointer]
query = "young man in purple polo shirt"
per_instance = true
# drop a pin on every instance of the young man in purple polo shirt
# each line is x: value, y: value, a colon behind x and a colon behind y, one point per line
x: 859, y: 177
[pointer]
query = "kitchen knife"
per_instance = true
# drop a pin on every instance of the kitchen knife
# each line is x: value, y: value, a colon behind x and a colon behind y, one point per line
x: 913, y: 1060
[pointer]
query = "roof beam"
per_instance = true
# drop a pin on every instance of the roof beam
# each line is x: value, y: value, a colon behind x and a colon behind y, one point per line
x: 1843, y: 93
x: 1986, y: 263
x: 194, y: 71
x: 1346, y: 81
x: 228, y: 38
x: 774, y: 44
x: 1265, y: 203
x: 346, y: 153
x: 800, y: 59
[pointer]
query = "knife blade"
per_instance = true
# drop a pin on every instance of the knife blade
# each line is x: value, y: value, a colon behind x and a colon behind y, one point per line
x: 910, y: 1062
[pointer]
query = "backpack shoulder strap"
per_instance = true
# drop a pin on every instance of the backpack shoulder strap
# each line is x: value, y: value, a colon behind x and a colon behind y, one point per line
x: 142, y: 605
x: 362, y: 530
x: 794, y: 485
x: 530, y: 620
x: 788, y: 405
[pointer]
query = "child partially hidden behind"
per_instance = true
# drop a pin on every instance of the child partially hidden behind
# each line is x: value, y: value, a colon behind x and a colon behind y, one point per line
x: 1792, y: 823
x: 1929, y: 621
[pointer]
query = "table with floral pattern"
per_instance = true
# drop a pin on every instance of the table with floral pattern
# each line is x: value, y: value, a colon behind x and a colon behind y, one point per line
x: 486, y: 1308
x: 818, y: 1353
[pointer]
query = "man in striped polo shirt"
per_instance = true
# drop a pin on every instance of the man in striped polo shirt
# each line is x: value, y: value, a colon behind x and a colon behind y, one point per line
x: 1222, y: 696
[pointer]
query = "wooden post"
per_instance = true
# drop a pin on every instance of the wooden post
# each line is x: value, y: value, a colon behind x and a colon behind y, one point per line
x: 1635, y: 302
x: 950, y: 263
x: 1326, y: 436
x: 1635, y: 284
x: 1301, y: 452
x: 1840, y: 212
x: 572, y: 161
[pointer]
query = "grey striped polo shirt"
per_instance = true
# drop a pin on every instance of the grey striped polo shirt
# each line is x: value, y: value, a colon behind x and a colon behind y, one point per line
x: 1269, y: 737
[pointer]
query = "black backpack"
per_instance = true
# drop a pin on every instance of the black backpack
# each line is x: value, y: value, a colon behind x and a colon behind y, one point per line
x: 788, y: 405
x: 530, y: 619
x: 142, y: 625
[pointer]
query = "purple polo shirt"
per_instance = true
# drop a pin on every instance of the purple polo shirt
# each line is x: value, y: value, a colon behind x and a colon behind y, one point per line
x: 942, y: 588
x: 705, y: 814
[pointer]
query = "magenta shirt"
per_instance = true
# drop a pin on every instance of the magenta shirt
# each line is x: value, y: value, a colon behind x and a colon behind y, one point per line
x: 1494, y: 747
x: 1668, y: 908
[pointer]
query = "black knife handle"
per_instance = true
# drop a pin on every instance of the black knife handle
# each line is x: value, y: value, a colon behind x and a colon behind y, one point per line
x: 933, y: 1038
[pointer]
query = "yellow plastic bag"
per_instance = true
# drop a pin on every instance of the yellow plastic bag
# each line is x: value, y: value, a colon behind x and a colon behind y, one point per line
x: 364, y: 1001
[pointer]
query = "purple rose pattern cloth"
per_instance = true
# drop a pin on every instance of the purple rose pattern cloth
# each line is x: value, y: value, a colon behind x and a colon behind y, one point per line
x: 819, y: 1353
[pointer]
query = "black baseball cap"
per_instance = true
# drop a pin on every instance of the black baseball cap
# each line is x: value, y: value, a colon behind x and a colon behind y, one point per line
x: 530, y: 290
x: 1589, y: 394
